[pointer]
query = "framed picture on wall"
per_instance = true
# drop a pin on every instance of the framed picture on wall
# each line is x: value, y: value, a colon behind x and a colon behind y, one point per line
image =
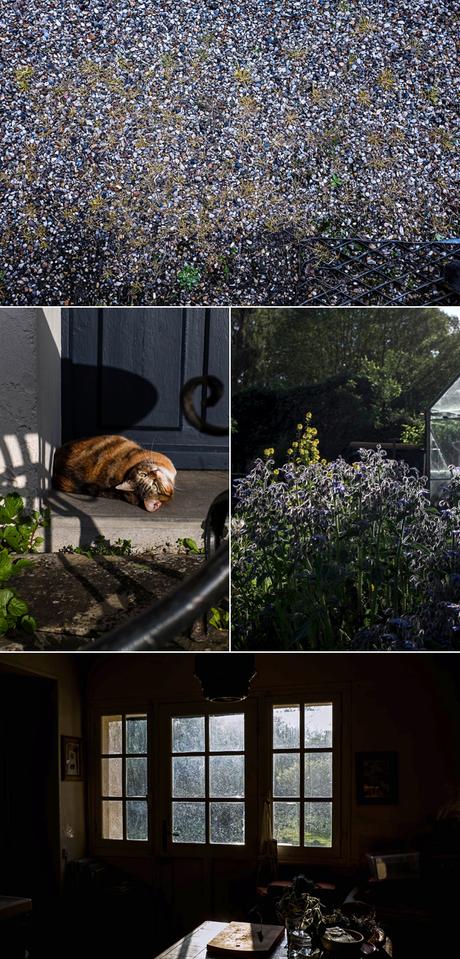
x: 377, y: 778
x: 71, y: 758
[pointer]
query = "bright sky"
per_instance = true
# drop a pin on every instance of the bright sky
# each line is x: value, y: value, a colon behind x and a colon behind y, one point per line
x: 453, y: 310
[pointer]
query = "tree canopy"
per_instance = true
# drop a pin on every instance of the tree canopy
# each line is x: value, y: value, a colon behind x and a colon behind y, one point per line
x: 416, y: 348
x: 363, y: 373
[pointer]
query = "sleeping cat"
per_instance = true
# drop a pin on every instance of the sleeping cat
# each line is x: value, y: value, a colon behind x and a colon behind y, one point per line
x: 116, y: 467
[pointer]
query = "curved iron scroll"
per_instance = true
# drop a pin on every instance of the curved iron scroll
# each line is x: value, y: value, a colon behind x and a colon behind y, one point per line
x: 215, y: 392
x: 161, y: 624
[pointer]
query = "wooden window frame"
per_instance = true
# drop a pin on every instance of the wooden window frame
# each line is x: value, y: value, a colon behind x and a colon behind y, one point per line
x: 133, y: 848
x: 304, y: 696
x: 208, y: 850
x: 124, y: 755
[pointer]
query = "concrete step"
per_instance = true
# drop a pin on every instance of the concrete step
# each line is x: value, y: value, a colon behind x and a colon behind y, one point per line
x: 76, y: 520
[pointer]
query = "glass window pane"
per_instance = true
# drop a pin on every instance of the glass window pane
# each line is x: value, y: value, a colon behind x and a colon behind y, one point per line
x: 188, y: 777
x: 136, y: 777
x: 226, y: 733
x: 318, y: 824
x: 112, y: 777
x: 136, y: 734
x: 318, y: 725
x: 227, y: 823
x: 112, y: 820
x: 111, y: 734
x: 444, y: 446
x: 318, y: 775
x: 450, y: 400
x: 136, y: 820
x: 189, y: 822
x: 226, y: 776
x: 286, y: 774
x: 286, y: 727
x: 286, y: 823
x: 188, y: 734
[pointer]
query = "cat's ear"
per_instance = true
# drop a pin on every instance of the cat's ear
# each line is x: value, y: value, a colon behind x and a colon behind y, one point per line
x: 126, y: 487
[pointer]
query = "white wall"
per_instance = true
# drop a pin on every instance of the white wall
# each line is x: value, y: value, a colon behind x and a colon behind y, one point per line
x: 30, y: 403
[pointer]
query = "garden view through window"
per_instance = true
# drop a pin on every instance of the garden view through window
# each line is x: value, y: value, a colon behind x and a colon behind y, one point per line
x: 124, y: 776
x: 208, y: 779
x: 302, y: 775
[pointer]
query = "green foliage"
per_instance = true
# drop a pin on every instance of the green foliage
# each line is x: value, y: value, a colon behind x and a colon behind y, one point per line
x: 18, y: 534
x: 324, y: 555
x: 189, y: 277
x: 386, y: 387
x: 413, y: 433
x: 218, y: 617
x: 23, y: 77
x: 18, y: 526
x: 363, y: 373
x: 190, y: 545
x: 13, y: 609
x: 272, y: 349
x: 102, y: 547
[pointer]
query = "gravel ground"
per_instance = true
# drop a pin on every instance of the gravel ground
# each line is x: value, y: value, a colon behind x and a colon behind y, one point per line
x: 150, y: 147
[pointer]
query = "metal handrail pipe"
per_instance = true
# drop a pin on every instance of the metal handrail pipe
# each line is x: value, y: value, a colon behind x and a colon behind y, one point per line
x: 161, y: 624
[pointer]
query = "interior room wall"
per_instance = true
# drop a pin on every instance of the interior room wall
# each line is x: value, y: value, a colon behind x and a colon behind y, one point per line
x: 406, y: 703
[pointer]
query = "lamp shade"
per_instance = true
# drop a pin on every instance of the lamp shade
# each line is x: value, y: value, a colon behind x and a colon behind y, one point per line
x: 225, y: 677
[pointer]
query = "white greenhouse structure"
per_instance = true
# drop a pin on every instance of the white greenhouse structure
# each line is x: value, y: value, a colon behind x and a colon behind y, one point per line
x: 443, y: 438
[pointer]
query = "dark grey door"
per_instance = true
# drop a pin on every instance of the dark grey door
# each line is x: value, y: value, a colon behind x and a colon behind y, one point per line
x: 123, y: 371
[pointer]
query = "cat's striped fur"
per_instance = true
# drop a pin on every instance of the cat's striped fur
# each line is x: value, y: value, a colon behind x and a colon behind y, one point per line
x: 117, y: 467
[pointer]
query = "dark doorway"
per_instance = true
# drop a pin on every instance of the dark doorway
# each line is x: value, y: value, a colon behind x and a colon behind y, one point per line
x: 29, y: 795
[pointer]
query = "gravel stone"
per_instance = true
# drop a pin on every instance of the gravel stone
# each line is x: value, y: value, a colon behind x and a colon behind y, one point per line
x: 149, y: 148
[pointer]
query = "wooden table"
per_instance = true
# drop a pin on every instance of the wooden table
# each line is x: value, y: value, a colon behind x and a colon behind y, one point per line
x: 194, y: 945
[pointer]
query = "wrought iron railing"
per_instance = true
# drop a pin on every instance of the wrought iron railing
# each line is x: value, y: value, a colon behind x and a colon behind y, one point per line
x: 359, y: 272
x: 159, y: 626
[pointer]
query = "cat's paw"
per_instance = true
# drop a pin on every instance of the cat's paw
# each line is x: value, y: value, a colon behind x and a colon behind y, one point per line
x: 151, y: 505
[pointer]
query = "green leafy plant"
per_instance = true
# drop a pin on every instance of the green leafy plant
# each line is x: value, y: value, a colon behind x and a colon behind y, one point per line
x: 18, y: 534
x: 14, y: 611
x: 190, y: 545
x: 188, y: 277
x: 218, y: 617
x: 23, y: 77
x: 18, y: 526
x: 102, y: 547
x: 413, y: 433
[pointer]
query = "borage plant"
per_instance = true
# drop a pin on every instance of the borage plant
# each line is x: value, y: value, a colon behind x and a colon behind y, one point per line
x: 342, y: 556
